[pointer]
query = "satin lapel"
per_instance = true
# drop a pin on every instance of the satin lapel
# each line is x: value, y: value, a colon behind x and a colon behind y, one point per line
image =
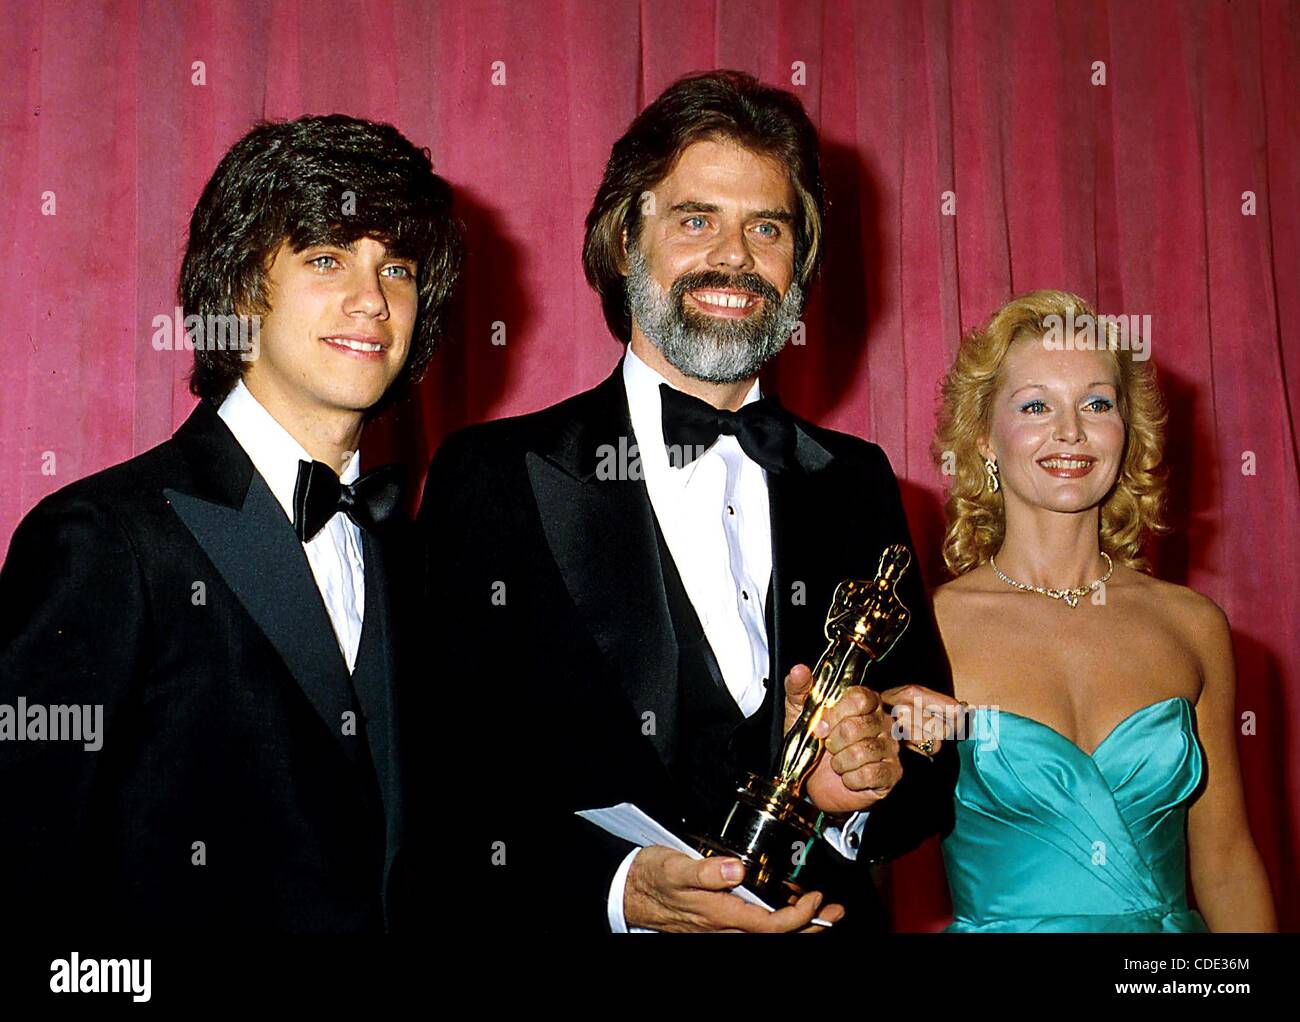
x: 805, y: 522
x: 252, y: 545
x: 599, y: 524
x: 376, y: 690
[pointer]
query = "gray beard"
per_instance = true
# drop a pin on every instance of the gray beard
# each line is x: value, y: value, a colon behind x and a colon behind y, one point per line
x: 715, y: 351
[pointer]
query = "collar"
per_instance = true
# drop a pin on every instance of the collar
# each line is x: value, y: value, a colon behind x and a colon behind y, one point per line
x: 646, y: 410
x: 270, y: 447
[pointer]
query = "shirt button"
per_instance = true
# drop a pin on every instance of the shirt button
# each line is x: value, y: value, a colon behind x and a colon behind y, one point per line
x: 730, y: 510
x: 744, y: 594
x: 853, y: 841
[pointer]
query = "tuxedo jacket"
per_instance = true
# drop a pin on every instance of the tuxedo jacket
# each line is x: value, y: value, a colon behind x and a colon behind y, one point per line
x: 552, y: 602
x: 230, y: 792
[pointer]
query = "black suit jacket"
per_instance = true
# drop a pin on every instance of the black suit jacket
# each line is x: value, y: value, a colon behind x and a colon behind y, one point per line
x: 553, y: 605
x: 172, y: 591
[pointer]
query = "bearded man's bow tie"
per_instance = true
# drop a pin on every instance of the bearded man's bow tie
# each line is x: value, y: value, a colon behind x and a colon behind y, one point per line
x: 763, y: 428
x: 319, y: 495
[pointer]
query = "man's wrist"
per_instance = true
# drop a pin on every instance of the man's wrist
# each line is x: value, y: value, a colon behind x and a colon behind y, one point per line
x: 617, y: 892
x: 846, y: 836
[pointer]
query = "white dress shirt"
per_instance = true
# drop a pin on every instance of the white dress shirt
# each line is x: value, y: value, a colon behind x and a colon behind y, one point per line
x: 717, y: 524
x: 334, y: 553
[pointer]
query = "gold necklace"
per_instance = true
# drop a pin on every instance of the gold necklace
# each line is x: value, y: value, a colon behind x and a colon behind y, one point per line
x: 1070, y: 596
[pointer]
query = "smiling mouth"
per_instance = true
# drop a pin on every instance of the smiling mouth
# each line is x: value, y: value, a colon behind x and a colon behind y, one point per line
x: 729, y: 304
x: 362, y: 347
x: 1069, y: 466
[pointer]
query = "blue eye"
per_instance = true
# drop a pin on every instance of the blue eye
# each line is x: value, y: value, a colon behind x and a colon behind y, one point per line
x: 696, y: 222
x: 1105, y: 404
x: 771, y: 229
x: 406, y: 270
x: 1033, y: 407
x: 317, y: 259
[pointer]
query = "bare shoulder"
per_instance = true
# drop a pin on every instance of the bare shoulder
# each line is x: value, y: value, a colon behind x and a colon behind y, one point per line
x: 961, y: 597
x: 951, y: 593
x: 1198, y: 620
x: 979, y: 579
x: 1190, y: 607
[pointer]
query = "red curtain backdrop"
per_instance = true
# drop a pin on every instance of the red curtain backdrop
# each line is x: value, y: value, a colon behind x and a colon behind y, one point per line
x: 1132, y: 193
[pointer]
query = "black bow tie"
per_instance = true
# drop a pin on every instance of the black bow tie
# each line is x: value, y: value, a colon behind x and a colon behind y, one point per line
x: 318, y: 496
x: 763, y: 429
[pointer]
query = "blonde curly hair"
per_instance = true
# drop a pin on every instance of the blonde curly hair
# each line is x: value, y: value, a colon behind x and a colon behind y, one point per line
x: 976, y: 521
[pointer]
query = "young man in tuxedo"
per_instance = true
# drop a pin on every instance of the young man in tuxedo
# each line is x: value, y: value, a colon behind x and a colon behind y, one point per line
x: 635, y: 578
x: 233, y: 605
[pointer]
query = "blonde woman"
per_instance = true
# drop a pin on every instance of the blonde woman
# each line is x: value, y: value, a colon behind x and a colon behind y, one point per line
x: 1102, y: 755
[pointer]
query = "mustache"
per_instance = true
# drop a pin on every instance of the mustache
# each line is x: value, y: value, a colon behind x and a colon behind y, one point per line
x: 716, y: 279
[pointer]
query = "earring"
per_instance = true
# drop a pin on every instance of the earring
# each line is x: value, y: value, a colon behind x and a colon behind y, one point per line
x: 991, y: 470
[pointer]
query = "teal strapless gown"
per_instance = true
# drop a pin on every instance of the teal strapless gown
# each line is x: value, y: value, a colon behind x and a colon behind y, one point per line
x: 1048, y: 838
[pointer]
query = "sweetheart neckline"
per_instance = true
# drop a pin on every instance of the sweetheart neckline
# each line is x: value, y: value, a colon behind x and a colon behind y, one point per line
x: 1110, y: 734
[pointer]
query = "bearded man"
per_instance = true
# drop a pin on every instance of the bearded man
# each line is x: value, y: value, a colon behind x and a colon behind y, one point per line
x: 627, y: 574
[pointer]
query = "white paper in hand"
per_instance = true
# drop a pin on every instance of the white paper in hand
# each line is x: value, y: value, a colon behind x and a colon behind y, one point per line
x: 628, y: 822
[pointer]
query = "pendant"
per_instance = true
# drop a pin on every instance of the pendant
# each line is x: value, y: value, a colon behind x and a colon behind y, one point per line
x: 1070, y: 599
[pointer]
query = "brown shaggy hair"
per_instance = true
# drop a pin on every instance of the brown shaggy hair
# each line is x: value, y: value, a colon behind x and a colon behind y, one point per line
x: 285, y: 181
x: 718, y: 105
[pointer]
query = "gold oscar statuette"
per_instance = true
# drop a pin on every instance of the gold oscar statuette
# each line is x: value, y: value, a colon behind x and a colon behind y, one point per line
x: 771, y: 825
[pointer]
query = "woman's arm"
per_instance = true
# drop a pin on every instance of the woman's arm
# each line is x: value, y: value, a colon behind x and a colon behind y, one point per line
x: 1228, y: 876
